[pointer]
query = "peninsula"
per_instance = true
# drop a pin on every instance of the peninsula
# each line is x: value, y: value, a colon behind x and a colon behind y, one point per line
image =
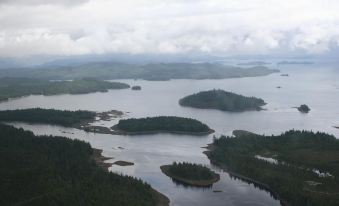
x: 292, y: 165
x: 19, y: 87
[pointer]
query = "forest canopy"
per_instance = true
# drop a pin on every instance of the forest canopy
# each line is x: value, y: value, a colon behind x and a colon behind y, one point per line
x: 305, y: 169
x: 18, y: 87
x: 48, y: 116
x: 222, y: 100
x: 163, y: 124
x: 49, y: 170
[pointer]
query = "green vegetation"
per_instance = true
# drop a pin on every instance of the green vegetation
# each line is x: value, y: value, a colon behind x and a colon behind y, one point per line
x: 222, y: 100
x: 162, y: 124
x: 48, y: 116
x: 18, y: 87
x: 49, y: 171
x: 191, y: 174
x: 304, y: 108
x: 305, y: 170
x: 111, y: 70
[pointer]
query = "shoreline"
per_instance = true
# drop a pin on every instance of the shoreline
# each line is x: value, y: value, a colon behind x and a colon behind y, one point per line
x: 97, y: 156
x: 197, y: 183
x: 117, y: 131
x: 211, y: 147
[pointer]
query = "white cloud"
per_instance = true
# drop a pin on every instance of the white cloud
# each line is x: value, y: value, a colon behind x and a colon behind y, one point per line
x: 34, y: 27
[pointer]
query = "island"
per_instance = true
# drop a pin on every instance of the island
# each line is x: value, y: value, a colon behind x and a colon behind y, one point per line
x: 151, y: 71
x: 190, y: 174
x: 123, y: 163
x: 298, y: 167
x: 303, y: 108
x: 222, y: 100
x: 50, y: 170
x: 80, y: 119
x: 284, y: 75
x: 161, y: 124
x: 19, y: 87
x: 136, y: 88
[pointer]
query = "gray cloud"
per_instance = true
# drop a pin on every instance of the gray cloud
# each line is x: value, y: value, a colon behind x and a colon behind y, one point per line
x: 167, y: 26
x: 42, y: 2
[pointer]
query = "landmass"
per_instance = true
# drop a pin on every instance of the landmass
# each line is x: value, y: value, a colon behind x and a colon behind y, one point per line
x: 49, y: 170
x: 294, y: 62
x: 222, y: 100
x: 298, y: 167
x: 303, y: 108
x: 191, y: 174
x: 156, y: 71
x: 80, y: 119
x: 123, y: 163
x: 253, y: 63
x: 161, y: 124
x: 136, y: 88
x: 19, y: 87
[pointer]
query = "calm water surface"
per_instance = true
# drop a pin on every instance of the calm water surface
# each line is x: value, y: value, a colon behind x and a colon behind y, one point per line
x: 314, y: 85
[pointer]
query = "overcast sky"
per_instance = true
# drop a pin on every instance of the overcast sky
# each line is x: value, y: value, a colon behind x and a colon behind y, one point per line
x: 229, y: 27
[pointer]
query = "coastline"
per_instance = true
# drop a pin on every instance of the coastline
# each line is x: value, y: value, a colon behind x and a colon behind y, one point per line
x: 97, y: 156
x: 211, y: 147
x: 117, y: 131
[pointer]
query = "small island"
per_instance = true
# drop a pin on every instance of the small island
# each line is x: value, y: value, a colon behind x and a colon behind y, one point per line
x: 191, y: 174
x: 303, y: 108
x: 161, y: 124
x: 222, y: 100
x: 136, y: 88
x: 284, y: 75
x: 123, y: 163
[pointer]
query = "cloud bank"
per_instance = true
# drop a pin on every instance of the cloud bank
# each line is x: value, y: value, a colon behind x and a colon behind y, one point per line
x: 227, y: 27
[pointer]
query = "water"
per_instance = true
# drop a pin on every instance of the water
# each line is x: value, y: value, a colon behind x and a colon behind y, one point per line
x: 314, y: 85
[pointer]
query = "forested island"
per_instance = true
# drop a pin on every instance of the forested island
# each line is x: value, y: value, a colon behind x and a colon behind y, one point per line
x: 18, y: 87
x: 155, y: 71
x: 222, y: 100
x: 136, y: 88
x: 49, y: 170
x: 191, y: 174
x: 303, y: 108
x: 299, y: 167
x: 161, y: 124
x: 49, y: 116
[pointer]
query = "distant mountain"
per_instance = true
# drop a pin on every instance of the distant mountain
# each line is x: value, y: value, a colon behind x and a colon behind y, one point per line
x: 153, y: 71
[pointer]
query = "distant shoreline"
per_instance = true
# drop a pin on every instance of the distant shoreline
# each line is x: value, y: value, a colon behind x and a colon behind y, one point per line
x: 118, y: 131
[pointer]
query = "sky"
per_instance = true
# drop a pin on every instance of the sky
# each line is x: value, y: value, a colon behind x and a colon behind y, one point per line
x: 213, y: 27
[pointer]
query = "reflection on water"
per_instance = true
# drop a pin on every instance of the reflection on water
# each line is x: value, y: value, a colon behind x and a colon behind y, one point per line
x: 316, y: 88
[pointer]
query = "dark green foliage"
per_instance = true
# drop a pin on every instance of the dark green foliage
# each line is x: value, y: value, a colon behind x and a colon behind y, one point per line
x: 48, y: 116
x: 162, y: 123
x: 191, y: 171
x: 298, y: 153
x: 222, y: 100
x: 304, y: 108
x: 50, y: 171
x: 111, y: 70
x: 17, y: 87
